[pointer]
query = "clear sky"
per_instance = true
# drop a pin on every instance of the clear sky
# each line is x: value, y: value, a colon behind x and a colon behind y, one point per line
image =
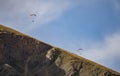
x: 93, y: 25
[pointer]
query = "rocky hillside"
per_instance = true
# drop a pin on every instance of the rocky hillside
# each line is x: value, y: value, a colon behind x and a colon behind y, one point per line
x: 21, y: 55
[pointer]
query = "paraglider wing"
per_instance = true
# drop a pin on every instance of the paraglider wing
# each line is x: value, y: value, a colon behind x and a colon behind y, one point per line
x: 33, y: 15
x: 80, y: 49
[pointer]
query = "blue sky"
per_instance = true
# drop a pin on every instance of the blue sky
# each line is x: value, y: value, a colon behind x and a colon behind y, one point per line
x: 92, y: 25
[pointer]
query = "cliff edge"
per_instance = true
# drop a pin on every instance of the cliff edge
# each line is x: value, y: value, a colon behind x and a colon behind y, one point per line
x: 21, y: 55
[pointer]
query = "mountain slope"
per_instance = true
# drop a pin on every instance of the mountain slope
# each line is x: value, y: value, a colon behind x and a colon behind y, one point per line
x: 21, y: 55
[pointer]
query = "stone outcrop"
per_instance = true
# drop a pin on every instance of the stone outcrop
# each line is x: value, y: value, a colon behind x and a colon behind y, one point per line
x: 21, y: 55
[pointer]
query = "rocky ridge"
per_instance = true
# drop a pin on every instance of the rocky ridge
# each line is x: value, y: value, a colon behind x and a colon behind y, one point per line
x: 21, y: 55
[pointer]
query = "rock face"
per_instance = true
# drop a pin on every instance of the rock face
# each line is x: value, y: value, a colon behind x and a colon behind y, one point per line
x: 21, y: 55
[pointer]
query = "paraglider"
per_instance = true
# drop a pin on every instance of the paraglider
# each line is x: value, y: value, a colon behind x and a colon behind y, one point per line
x: 80, y: 49
x: 33, y: 17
